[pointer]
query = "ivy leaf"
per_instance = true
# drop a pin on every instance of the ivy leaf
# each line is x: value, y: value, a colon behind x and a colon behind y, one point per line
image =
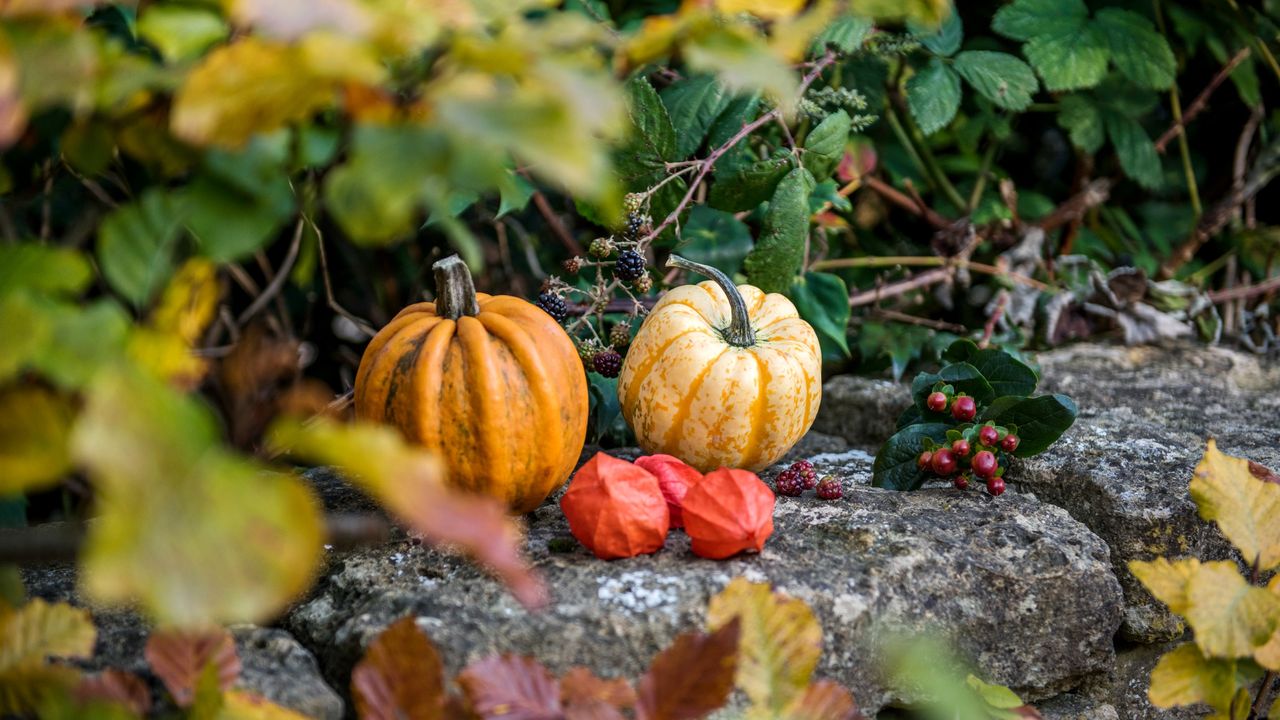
x: 780, y: 642
x: 1027, y: 19
x: 35, y: 428
x: 1006, y: 374
x: 1133, y: 146
x: 846, y: 34
x: 749, y: 186
x: 1245, y: 508
x: 44, y: 269
x: 1184, y: 676
x: 716, y: 238
x: 668, y: 691
x: 824, y: 147
x: 29, y: 635
x: 895, y: 464
x: 823, y: 700
x: 942, y: 40
x: 999, y: 77
x: 1082, y: 121
x: 1230, y: 617
x: 179, y: 659
x: 136, y: 245
x: 1070, y: 58
x: 823, y: 301
x: 773, y: 262
x: 400, y: 676
x: 933, y: 95
x: 693, y: 104
x: 1040, y: 420
x: 510, y: 687
x: 1138, y: 51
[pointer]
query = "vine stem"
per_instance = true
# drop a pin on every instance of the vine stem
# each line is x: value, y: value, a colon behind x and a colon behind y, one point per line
x: 1201, y: 100
x: 1263, y: 691
x: 739, y: 333
x: 773, y: 115
x: 944, y: 263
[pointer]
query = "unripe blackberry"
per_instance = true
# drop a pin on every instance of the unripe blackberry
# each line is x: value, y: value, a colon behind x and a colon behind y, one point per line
x: 607, y: 362
x: 788, y: 483
x: 601, y: 248
x: 632, y: 203
x: 630, y: 266
x: 936, y: 402
x: 553, y: 305
x: 830, y: 488
x: 620, y: 334
x: 573, y: 265
x: 964, y: 409
x: 587, y: 350
x: 644, y: 284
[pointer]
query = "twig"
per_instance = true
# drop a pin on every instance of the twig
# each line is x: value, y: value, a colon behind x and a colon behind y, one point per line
x: 925, y: 279
x: 557, y: 227
x: 1197, y: 105
x: 1245, y: 291
x: 619, y: 305
x: 989, y: 329
x: 277, y: 282
x: 930, y: 323
x: 895, y: 196
x: 1264, y: 690
x: 1093, y: 194
x: 948, y: 264
x: 332, y: 302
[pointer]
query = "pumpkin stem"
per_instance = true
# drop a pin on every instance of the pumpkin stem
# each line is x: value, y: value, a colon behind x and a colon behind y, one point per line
x: 739, y: 332
x: 455, y: 293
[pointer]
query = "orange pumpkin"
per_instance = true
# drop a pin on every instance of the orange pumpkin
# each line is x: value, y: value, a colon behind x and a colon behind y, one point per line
x: 721, y: 375
x: 491, y: 383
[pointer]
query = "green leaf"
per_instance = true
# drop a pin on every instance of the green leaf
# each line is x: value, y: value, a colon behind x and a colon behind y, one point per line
x: 716, y: 238
x: 240, y: 201
x: 1026, y: 19
x: 999, y: 77
x: 742, y: 62
x: 1069, y: 59
x: 967, y: 379
x: 960, y: 351
x: 824, y: 146
x: 82, y: 341
x: 693, y: 104
x: 181, y: 32
x: 997, y: 696
x: 1137, y: 153
x: 1082, y: 121
x: 943, y: 40
x: 1040, y: 420
x: 846, y: 34
x: 653, y: 137
x: 933, y: 95
x: 772, y: 264
x: 43, y: 269
x: 747, y: 187
x: 26, y: 332
x: 376, y: 195
x: 1138, y: 51
x: 741, y: 110
x: 514, y: 194
x: 1006, y: 374
x: 823, y: 301
x: 895, y: 464
x: 136, y: 245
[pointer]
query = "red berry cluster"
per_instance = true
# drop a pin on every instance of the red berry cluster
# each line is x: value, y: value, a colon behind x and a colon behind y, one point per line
x: 963, y: 407
x: 974, y: 451
x: 802, y: 476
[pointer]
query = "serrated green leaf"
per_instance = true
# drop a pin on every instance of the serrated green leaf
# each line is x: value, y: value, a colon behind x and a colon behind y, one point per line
x: 741, y: 110
x: 136, y: 245
x: 1133, y: 146
x: 1082, y: 121
x: 846, y: 34
x: 895, y: 464
x: 1138, y: 51
x: 824, y: 147
x: 933, y: 95
x: 716, y: 238
x: 772, y: 264
x: 43, y: 269
x: 945, y: 39
x: 652, y: 138
x: 1040, y: 420
x: 693, y: 104
x: 999, y: 77
x: 1025, y: 19
x: 822, y: 299
x: 747, y: 187
x: 1069, y: 59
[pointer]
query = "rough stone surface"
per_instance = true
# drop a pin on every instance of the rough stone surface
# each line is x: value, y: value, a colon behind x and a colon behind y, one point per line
x: 1070, y: 706
x: 1025, y: 592
x: 276, y: 666
x: 1125, y: 687
x: 1123, y: 469
x: 862, y: 410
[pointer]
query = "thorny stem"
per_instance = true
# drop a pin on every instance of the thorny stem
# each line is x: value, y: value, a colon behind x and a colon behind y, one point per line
x: 928, y: 261
x: 739, y: 333
x: 455, y: 292
x: 1201, y: 101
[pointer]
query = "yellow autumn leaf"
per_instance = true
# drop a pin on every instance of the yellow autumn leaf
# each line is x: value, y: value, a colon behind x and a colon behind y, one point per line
x: 240, y: 705
x: 1230, y: 617
x: 1166, y: 580
x: 793, y: 37
x: 742, y: 61
x: 1184, y: 676
x: 196, y: 535
x: 35, y: 423
x: 29, y: 636
x: 189, y: 301
x: 1244, y: 507
x: 764, y: 9
x: 1268, y: 656
x: 780, y: 643
x: 927, y: 12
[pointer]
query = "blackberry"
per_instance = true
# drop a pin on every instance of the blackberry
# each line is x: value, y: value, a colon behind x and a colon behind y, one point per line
x: 635, y: 222
x: 830, y: 489
x: 601, y: 248
x: 620, y: 334
x: 553, y: 305
x: 607, y: 362
x: 805, y: 470
x: 788, y: 483
x: 630, y: 266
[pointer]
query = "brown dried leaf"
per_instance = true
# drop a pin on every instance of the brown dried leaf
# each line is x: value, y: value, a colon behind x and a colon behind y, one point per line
x: 692, y: 677
x: 581, y: 686
x: 823, y: 700
x: 1263, y: 473
x: 593, y: 710
x: 178, y: 658
x: 511, y: 687
x: 400, y: 676
x: 116, y: 686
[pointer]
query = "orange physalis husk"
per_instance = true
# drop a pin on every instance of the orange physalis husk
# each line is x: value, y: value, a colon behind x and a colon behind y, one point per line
x: 727, y: 512
x: 674, y: 479
x: 616, y: 509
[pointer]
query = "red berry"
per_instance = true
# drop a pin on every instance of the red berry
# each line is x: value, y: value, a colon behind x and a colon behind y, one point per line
x: 944, y: 462
x: 805, y: 470
x: 984, y: 464
x: 960, y: 448
x: 964, y: 409
x: 961, y: 482
x: 995, y: 486
x: 988, y: 436
x: 1009, y: 443
x: 925, y: 458
x: 788, y: 483
x: 937, y: 402
x: 830, y: 489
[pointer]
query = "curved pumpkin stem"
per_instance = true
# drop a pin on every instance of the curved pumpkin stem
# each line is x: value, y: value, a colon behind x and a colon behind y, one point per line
x: 455, y: 293
x: 739, y: 332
